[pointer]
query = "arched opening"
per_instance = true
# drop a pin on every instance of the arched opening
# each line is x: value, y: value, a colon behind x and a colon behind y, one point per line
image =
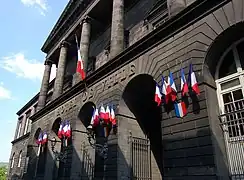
x: 20, y: 159
x: 86, y: 113
x: 12, y: 160
x: 138, y: 96
x: 56, y: 125
x: 225, y: 60
x: 36, y: 135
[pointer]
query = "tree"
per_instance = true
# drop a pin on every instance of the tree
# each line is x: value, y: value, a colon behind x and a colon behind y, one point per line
x: 3, y: 173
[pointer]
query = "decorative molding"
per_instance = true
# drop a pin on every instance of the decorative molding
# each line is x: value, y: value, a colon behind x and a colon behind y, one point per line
x: 21, y: 138
x: 65, y: 44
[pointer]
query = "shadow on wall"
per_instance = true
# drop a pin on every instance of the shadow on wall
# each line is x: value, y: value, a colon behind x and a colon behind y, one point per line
x: 139, y: 98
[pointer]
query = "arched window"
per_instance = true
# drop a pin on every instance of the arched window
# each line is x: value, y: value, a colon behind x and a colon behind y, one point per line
x: 230, y: 87
x: 12, y: 162
x: 20, y: 159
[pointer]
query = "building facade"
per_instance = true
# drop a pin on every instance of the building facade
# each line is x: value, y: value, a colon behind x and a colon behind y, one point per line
x: 127, y: 46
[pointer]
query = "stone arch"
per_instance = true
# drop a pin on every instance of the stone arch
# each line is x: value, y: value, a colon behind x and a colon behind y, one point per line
x: 220, y: 44
x: 55, y: 125
x: 85, y: 113
x: 139, y: 113
x: 36, y: 134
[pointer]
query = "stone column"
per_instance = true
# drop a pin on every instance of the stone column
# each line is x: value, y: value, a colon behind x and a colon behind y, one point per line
x: 84, y: 46
x: 117, y: 29
x: 59, y: 81
x: 44, y: 86
x: 175, y: 6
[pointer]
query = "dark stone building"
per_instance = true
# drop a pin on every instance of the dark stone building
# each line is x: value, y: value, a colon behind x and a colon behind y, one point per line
x: 127, y: 45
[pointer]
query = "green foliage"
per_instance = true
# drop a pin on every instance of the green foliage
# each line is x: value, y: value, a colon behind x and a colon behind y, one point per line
x: 3, y: 173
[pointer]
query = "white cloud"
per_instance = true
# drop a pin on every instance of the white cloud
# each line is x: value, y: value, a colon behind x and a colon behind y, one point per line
x: 25, y: 68
x: 4, y: 93
x: 39, y: 4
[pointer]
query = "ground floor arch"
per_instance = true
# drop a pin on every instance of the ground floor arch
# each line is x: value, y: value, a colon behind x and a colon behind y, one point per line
x: 141, y: 117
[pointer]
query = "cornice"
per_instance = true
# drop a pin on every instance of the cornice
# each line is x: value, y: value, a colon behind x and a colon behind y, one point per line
x: 182, y: 20
x: 21, y: 138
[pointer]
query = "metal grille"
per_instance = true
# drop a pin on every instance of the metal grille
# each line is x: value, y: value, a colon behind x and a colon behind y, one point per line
x: 232, y: 123
x: 87, y: 165
x: 140, y: 159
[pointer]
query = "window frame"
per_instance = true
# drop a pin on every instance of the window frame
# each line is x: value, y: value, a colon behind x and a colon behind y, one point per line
x: 20, y: 159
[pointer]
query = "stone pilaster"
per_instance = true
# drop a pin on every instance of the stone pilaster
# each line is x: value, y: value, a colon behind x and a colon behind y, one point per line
x: 59, y: 81
x: 117, y: 29
x: 44, y: 86
x: 175, y: 6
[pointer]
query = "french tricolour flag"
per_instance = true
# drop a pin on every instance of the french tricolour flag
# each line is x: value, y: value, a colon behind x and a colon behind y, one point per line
x: 39, y: 139
x: 184, y: 86
x: 193, y: 81
x: 158, y: 95
x: 165, y: 94
x: 65, y: 128
x: 80, y: 66
x: 96, y: 118
x: 68, y: 132
x: 180, y: 109
x: 107, y: 114
x: 112, y: 117
x: 44, y: 138
x: 173, y: 87
x: 60, y: 130
x: 102, y: 112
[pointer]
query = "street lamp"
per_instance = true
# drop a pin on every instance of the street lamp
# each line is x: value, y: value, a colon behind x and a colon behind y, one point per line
x: 59, y: 156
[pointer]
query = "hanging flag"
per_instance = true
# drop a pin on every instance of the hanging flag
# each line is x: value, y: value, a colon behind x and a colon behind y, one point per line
x: 44, y: 138
x: 92, y: 118
x: 193, y: 81
x: 158, y: 95
x: 173, y: 91
x: 39, y: 139
x: 107, y: 114
x: 65, y: 128
x: 180, y: 109
x: 68, y: 132
x: 102, y: 113
x: 184, y: 86
x: 60, y: 130
x: 112, y: 118
x: 80, y: 66
x: 96, y: 118
x: 165, y: 94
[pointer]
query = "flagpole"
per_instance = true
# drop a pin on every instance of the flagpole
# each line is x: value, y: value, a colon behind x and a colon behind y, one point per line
x: 76, y: 40
x: 37, y: 160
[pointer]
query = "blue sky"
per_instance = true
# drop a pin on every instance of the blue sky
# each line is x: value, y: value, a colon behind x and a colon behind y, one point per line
x: 25, y: 25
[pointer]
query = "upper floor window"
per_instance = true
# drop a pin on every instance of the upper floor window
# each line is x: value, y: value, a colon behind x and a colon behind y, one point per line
x: 12, y: 161
x: 20, y: 159
x: 19, y: 128
x: 27, y: 122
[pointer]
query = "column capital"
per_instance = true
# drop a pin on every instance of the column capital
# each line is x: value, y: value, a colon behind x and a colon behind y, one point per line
x: 64, y: 44
x: 48, y: 62
x: 86, y: 19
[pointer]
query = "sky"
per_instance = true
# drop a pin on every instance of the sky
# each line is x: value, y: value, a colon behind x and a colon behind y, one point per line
x: 25, y: 25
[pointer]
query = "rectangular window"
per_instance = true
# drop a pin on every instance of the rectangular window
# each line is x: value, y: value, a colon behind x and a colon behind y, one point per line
x: 27, y: 122
x: 19, y: 129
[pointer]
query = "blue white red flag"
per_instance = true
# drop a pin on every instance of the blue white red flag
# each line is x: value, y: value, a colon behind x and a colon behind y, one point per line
x: 112, y: 117
x: 158, y: 95
x: 60, y: 130
x: 44, y: 138
x: 193, y: 81
x: 165, y: 91
x: 80, y: 66
x: 65, y: 128
x: 180, y: 109
x: 68, y: 132
x: 39, y: 139
x: 107, y: 115
x: 184, y: 86
x: 102, y: 112
x: 173, y: 87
